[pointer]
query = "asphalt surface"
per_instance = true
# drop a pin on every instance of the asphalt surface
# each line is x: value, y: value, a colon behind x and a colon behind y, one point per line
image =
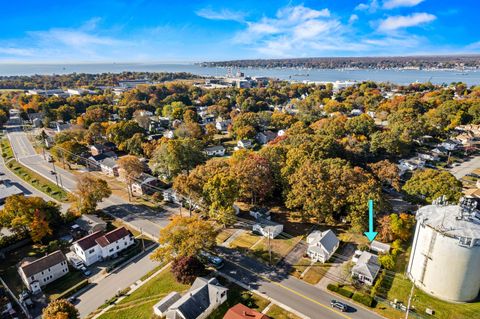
x: 139, y: 217
x: 466, y: 167
x: 96, y: 296
x: 290, y: 291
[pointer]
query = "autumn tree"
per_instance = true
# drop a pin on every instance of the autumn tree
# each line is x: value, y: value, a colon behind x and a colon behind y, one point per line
x: 186, y: 269
x: 60, y: 309
x: 254, y: 177
x: 31, y: 215
x: 69, y: 151
x: 396, y: 226
x: 184, y: 237
x: 386, y: 172
x: 327, y: 190
x: 131, y: 167
x: 119, y: 133
x: 430, y: 184
x: 90, y: 191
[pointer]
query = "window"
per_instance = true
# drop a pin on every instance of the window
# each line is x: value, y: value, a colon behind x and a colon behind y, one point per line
x: 125, y: 244
x: 91, y: 251
x: 42, y: 272
x: 118, y: 247
x: 32, y: 278
x: 111, y: 249
x: 465, y: 242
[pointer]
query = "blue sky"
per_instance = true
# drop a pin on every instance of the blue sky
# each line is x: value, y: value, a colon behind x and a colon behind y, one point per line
x: 171, y: 31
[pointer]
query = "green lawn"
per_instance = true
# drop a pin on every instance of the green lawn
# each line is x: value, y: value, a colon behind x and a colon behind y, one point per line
x: 139, y: 303
x: 280, y: 248
x: 62, y: 284
x: 398, y: 287
x: 316, y: 273
x: 224, y: 234
x: 237, y: 294
x: 276, y: 312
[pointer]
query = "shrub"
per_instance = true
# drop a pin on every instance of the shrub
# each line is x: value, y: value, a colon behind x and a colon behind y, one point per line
x: 332, y: 287
x: 363, y: 299
x: 345, y: 292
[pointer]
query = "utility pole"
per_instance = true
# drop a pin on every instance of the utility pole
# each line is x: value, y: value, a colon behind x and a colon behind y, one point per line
x: 269, y: 247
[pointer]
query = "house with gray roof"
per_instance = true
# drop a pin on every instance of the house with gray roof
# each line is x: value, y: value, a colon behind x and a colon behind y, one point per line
x: 204, y: 296
x: 267, y: 228
x: 91, y: 223
x: 106, y: 162
x: 322, y: 245
x: 366, y: 268
x: 36, y: 273
x: 217, y: 150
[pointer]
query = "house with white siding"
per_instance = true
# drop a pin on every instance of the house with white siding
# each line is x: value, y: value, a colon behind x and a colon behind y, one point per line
x: 99, y: 246
x: 42, y: 271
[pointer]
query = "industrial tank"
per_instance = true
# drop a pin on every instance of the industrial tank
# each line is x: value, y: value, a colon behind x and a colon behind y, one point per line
x: 445, y: 257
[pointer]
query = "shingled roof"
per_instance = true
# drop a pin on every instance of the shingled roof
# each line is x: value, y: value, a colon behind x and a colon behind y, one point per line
x: 112, y: 236
x: 39, y: 265
x: 89, y: 241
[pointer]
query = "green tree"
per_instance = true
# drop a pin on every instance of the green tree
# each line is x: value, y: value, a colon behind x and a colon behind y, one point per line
x: 119, y: 133
x: 430, y: 184
x: 173, y: 157
x: 220, y: 193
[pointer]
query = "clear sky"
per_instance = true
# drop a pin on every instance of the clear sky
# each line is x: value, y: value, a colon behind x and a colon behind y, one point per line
x: 206, y: 30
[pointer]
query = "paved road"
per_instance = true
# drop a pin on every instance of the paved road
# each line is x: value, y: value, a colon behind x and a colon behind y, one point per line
x: 290, y: 291
x: 96, y: 296
x: 466, y: 167
x: 139, y: 217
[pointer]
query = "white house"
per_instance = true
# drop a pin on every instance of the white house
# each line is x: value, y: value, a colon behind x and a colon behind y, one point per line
x: 99, y: 246
x: 366, y: 268
x: 267, y: 228
x: 244, y: 144
x: 202, y: 298
x: 217, y: 150
x: 379, y: 248
x: 144, y: 184
x: 450, y: 145
x: 222, y: 125
x: 169, y: 134
x: 40, y: 272
x: 322, y: 245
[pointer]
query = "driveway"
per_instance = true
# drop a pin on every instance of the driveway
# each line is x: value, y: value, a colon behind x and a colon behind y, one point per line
x: 336, y: 272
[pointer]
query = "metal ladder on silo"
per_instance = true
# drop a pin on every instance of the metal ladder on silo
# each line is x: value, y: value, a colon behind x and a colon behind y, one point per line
x: 428, y: 255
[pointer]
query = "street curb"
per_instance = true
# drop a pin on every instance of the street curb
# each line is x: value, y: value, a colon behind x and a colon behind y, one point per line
x: 131, y: 291
x: 241, y: 284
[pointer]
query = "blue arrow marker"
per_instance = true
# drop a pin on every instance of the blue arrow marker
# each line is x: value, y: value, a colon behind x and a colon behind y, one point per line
x: 370, y: 233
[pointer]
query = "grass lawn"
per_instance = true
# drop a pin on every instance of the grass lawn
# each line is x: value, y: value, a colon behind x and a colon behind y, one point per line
x: 280, y: 248
x: 224, y: 234
x: 237, y: 294
x: 37, y: 181
x: 316, y: 273
x: 245, y: 241
x: 139, y: 303
x: 279, y: 313
x: 62, y: 284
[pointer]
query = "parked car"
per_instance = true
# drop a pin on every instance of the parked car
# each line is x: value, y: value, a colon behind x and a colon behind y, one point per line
x: 212, y: 260
x: 339, y: 305
x: 85, y: 271
x: 73, y: 300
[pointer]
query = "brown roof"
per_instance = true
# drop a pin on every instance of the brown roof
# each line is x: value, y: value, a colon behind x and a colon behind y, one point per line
x: 240, y: 311
x: 112, y: 236
x: 34, y: 267
x: 88, y: 242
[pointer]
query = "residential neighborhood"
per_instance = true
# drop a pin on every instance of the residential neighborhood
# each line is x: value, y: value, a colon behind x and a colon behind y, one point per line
x: 239, y: 160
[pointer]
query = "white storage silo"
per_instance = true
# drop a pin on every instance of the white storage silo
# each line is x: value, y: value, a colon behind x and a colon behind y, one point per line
x: 445, y: 257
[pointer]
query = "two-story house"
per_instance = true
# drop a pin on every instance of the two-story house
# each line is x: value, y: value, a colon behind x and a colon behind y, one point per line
x: 42, y: 271
x: 99, y: 246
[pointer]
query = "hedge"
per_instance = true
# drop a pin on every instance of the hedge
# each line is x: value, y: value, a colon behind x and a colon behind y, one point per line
x: 345, y: 292
x: 72, y: 290
x: 332, y: 287
x: 363, y: 299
